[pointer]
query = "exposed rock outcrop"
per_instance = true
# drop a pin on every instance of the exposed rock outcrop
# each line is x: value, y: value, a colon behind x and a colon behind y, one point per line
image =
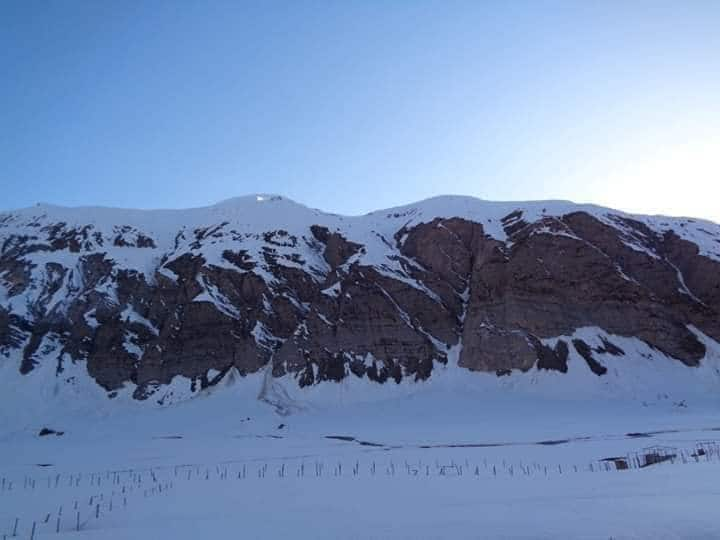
x: 320, y: 297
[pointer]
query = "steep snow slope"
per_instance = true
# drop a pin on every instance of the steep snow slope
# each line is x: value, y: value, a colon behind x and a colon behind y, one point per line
x: 167, y: 303
x: 262, y: 212
x: 141, y: 239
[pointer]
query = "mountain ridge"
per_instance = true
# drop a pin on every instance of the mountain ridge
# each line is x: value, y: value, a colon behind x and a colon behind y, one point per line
x: 264, y: 197
x: 260, y: 282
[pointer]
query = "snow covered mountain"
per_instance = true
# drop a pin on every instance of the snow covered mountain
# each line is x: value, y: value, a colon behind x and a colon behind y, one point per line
x: 166, y: 303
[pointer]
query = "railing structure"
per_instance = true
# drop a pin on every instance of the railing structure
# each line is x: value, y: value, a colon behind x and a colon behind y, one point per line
x: 87, y: 498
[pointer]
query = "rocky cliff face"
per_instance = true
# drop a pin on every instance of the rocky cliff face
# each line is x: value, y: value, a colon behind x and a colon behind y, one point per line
x: 262, y: 283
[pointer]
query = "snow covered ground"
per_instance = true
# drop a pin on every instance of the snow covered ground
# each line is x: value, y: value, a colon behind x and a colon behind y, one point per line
x: 462, y: 455
x: 444, y: 460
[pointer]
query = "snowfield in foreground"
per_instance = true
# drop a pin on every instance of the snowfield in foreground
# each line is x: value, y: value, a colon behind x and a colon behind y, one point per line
x: 444, y: 462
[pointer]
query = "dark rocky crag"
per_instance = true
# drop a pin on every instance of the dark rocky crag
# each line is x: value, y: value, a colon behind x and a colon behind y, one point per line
x: 312, y: 303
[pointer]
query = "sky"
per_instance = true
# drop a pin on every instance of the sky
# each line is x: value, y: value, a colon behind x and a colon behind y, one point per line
x: 355, y: 106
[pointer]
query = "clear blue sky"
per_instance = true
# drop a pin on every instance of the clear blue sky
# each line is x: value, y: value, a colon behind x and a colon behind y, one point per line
x: 353, y: 106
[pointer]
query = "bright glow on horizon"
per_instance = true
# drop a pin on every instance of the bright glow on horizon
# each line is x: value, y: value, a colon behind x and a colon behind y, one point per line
x: 678, y: 180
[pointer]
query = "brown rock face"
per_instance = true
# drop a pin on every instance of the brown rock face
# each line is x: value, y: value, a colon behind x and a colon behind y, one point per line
x: 570, y: 272
x: 326, y: 300
x: 337, y: 249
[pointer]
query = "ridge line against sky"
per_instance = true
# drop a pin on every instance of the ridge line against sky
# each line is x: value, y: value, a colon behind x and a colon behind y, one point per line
x: 268, y: 197
x: 355, y: 106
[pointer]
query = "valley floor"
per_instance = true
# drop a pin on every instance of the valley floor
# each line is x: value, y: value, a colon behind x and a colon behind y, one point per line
x: 429, y: 465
